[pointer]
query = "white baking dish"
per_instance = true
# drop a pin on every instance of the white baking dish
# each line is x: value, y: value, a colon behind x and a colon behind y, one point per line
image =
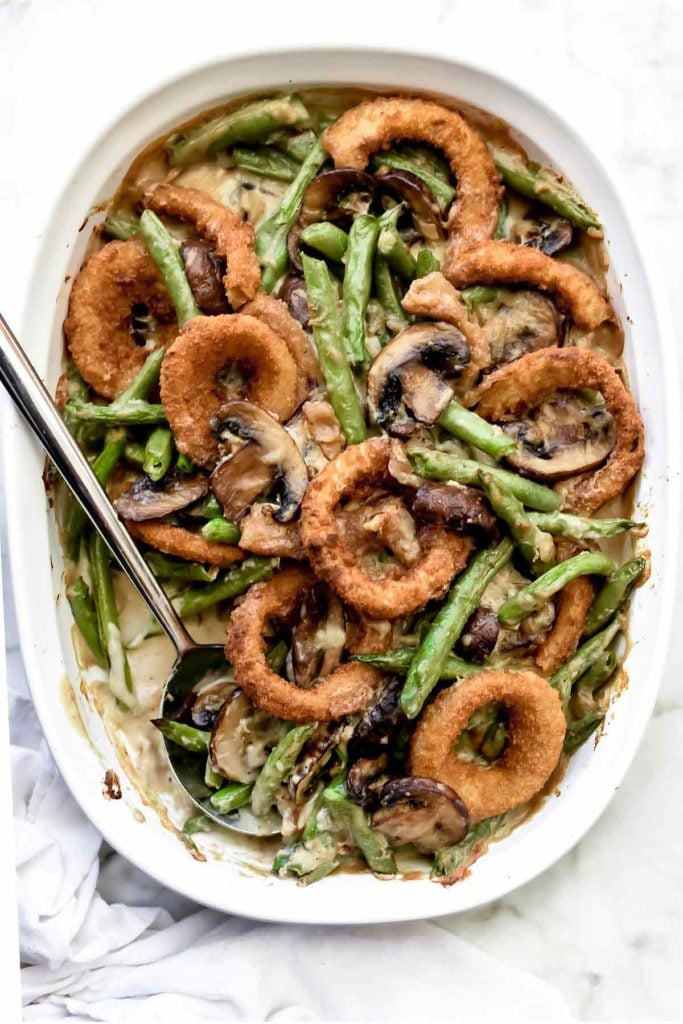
x: 44, y: 619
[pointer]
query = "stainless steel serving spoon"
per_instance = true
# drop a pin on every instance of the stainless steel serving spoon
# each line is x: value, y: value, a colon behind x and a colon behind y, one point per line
x: 194, y: 661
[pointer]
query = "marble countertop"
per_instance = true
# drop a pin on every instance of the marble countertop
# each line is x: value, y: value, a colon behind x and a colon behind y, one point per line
x: 604, y: 924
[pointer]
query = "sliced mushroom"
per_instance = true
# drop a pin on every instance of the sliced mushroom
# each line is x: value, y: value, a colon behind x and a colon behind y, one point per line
x: 480, y: 635
x: 395, y: 527
x: 274, y: 447
x: 147, y: 500
x: 322, y: 201
x: 315, y: 756
x: 239, y: 479
x: 323, y: 427
x: 396, y: 390
x: 550, y: 236
x: 293, y: 292
x: 205, y: 272
x: 428, y: 814
x: 519, y: 322
x: 567, y: 434
x: 366, y: 778
x: 462, y: 508
x: 380, y: 723
x: 260, y: 535
x: 241, y: 739
x: 208, y: 702
x: 318, y: 637
x: 418, y: 196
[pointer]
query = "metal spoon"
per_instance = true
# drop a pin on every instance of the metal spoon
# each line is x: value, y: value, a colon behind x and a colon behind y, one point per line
x: 194, y: 661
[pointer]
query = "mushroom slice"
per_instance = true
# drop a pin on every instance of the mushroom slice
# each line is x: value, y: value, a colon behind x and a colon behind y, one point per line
x: 318, y: 638
x: 366, y: 779
x: 323, y: 427
x: 261, y: 535
x: 293, y: 292
x: 322, y: 201
x: 462, y: 508
x: 566, y: 435
x: 395, y: 527
x: 315, y: 756
x: 275, y: 449
x: 379, y: 724
x: 480, y: 635
x: 239, y: 479
x: 519, y: 322
x: 550, y: 236
x: 419, y: 197
x: 147, y: 500
x: 428, y: 814
x: 241, y: 739
x: 205, y: 272
x: 395, y: 385
x: 208, y: 702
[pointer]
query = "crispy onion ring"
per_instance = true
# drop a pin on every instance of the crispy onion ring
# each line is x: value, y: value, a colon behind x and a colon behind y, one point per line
x: 275, y: 314
x: 205, y: 346
x: 529, y: 380
x: 504, y: 262
x: 232, y: 238
x: 98, y: 325
x: 174, y: 540
x: 572, y: 604
x: 374, y: 124
x: 345, y: 691
x: 435, y: 298
x: 536, y: 726
x: 443, y: 554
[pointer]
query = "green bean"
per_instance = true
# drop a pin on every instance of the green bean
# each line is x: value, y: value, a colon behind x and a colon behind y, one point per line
x: 388, y: 296
x: 613, y: 595
x: 297, y: 146
x: 165, y: 568
x: 197, y: 823
x: 442, y: 466
x: 478, y: 295
x: 271, y: 237
x: 544, y: 186
x: 310, y: 859
x: 391, y: 246
x: 253, y: 123
x: 120, y: 679
x: 356, y: 288
x: 136, y: 412
x: 468, y: 427
x: 324, y: 319
x: 144, y: 380
x: 277, y: 656
x: 399, y: 661
x: 582, y: 659
x: 327, y: 238
x: 221, y: 531
x: 75, y: 519
x: 462, y: 600
x: 494, y: 740
x: 536, y: 547
x: 373, y: 845
x: 579, y: 731
x: 426, y: 263
x: 235, y: 582
x: 501, y: 223
x: 600, y: 672
x: 537, y: 593
x: 194, y: 740
x: 85, y: 616
x: 121, y: 225
x: 166, y: 254
x: 210, y: 508
x: 450, y: 863
x: 212, y: 778
x: 266, y: 161
x: 442, y: 191
x: 560, y: 524
x: 231, y: 797
x: 135, y: 453
x: 184, y: 464
x: 278, y: 766
x: 158, y: 454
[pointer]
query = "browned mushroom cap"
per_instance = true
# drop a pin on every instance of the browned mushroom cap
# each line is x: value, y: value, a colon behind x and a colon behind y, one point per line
x: 550, y: 235
x: 148, y: 500
x: 208, y: 701
x: 226, y: 746
x: 293, y: 293
x: 205, y: 271
x: 239, y: 479
x: 261, y: 535
x: 404, y: 386
x: 317, y: 638
x: 314, y: 757
x: 480, y: 635
x: 322, y: 201
x: 380, y: 722
x: 366, y: 779
x: 419, y: 198
x: 277, y: 453
x: 518, y: 322
x: 462, y: 508
x: 428, y: 814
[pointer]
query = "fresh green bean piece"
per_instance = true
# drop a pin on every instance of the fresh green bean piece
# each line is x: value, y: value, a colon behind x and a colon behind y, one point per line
x: 356, y: 288
x: 449, y: 864
x: 221, y: 531
x: 232, y: 584
x: 165, y: 252
x: 85, y: 616
x: 560, y: 524
x: 135, y: 453
x: 399, y: 661
x: 194, y: 740
x: 468, y: 427
x: 388, y: 296
x: 165, y: 568
x: 121, y: 225
x: 271, y: 237
x: 75, y: 519
x: 278, y: 767
x: 77, y: 391
x: 579, y: 731
x: 310, y: 859
x: 543, y: 185
x: 327, y: 238
x: 537, y: 593
x: 426, y: 263
x: 120, y: 679
x: 536, y: 547
x: 462, y: 600
x: 373, y: 845
x: 253, y: 123
x: 582, y: 659
x: 212, y: 779
x: 266, y: 161
x: 210, y: 508
x: 494, y: 740
x: 158, y: 454
x: 442, y: 466
x: 441, y: 190
x: 391, y: 246
x: 501, y: 223
x: 478, y: 294
x: 197, y: 823
x: 144, y: 380
x: 324, y: 319
x: 613, y: 595
x: 297, y: 146
x: 600, y: 672
x: 277, y: 656
x: 135, y: 412
x: 230, y: 798
x: 184, y: 464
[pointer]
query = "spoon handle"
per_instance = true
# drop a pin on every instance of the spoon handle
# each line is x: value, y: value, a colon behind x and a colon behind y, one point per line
x: 33, y: 401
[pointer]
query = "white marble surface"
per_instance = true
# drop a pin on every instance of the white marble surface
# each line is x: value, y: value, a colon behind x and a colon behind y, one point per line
x: 603, y: 925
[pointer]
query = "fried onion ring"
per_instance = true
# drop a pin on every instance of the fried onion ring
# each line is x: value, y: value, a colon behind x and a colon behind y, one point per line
x: 536, y: 728
x: 189, y: 389
x: 504, y: 262
x: 435, y: 298
x: 334, y: 560
x: 375, y: 124
x: 232, y: 238
x: 98, y: 326
x: 346, y: 691
x: 174, y: 540
x: 572, y: 604
x: 275, y: 314
x: 532, y: 378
